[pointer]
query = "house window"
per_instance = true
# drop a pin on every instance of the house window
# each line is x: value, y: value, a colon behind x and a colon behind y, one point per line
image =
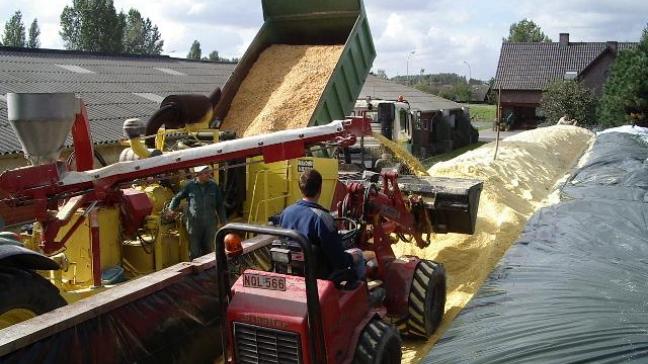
x: 571, y: 75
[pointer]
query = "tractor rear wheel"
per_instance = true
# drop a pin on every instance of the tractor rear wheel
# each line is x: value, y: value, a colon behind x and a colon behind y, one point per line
x: 25, y: 294
x: 426, y: 299
x: 379, y: 343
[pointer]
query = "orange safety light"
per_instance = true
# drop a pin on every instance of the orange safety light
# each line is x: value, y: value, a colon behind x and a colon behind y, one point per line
x: 233, y: 246
x: 401, y: 98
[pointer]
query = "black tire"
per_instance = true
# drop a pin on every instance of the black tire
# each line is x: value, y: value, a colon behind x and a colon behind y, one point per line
x: 426, y: 299
x: 379, y: 343
x: 26, y: 289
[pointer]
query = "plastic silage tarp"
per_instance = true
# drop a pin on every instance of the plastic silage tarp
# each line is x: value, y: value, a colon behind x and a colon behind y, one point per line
x: 573, y: 288
x: 516, y: 184
x: 615, y: 168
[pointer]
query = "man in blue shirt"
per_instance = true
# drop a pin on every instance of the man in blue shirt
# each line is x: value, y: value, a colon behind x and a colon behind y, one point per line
x: 316, y: 224
x: 206, y: 208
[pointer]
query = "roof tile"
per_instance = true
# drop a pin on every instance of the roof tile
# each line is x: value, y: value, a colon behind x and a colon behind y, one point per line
x: 108, y: 92
x: 533, y: 66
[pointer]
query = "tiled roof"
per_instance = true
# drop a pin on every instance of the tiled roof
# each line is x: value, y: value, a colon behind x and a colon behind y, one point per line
x: 533, y: 66
x: 379, y: 88
x: 110, y: 91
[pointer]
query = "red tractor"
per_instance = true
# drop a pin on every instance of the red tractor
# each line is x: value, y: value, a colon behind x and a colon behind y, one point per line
x: 296, y: 314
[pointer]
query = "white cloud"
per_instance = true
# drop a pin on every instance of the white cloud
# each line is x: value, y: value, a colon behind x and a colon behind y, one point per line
x: 49, y: 36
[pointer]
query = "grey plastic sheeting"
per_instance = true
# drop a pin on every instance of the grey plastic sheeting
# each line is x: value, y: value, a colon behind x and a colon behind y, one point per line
x: 574, y: 288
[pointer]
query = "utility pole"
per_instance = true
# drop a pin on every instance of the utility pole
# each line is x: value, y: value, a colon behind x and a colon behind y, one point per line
x: 407, y: 67
x: 469, y: 72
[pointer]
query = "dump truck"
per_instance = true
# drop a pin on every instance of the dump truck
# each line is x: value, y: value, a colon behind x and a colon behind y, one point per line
x: 422, y: 133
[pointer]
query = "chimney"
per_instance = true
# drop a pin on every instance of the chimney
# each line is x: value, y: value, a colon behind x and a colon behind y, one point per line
x: 613, y: 46
x: 564, y: 39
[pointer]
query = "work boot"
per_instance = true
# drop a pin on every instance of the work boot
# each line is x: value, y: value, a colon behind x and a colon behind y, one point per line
x: 377, y: 296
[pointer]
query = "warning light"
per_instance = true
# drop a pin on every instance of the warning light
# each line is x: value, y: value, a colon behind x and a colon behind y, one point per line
x: 233, y: 246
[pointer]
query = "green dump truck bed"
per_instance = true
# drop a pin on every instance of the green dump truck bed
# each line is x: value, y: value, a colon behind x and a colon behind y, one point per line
x: 314, y: 22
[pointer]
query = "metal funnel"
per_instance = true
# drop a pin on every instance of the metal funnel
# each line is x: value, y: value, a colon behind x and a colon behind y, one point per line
x: 42, y: 123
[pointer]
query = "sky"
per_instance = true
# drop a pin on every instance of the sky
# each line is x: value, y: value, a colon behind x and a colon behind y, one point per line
x: 443, y: 36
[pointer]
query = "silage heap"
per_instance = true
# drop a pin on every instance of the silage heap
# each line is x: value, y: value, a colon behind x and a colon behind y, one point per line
x: 516, y: 184
x: 282, y: 89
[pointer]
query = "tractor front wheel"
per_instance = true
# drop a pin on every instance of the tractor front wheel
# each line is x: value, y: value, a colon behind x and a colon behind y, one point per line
x: 379, y: 343
x: 25, y: 294
x: 426, y: 299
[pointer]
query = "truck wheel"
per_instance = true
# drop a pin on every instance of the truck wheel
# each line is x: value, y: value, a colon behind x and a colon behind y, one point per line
x: 25, y: 294
x: 379, y: 343
x: 426, y: 299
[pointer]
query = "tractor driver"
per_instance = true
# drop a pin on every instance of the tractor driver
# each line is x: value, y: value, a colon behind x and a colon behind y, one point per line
x: 206, y: 208
x: 316, y: 224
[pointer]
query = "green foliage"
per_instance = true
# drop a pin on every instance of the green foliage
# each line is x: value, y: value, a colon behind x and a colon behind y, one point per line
x: 492, y: 95
x: 34, y: 33
x: 526, y: 31
x: 93, y: 26
x: 568, y: 98
x: 141, y: 36
x: 447, y: 85
x: 460, y: 92
x: 14, y: 31
x: 431, y: 79
x: 625, y: 94
x: 194, y: 52
x: 214, y: 57
x: 482, y: 112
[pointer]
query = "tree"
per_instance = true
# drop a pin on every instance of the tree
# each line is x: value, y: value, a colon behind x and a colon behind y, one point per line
x: 625, y: 94
x: 141, y: 36
x: 14, y: 32
x: 568, y: 98
x: 34, y: 33
x: 93, y: 25
x: 194, y: 52
x: 493, y: 94
x: 214, y: 57
x: 526, y: 31
x: 380, y: 73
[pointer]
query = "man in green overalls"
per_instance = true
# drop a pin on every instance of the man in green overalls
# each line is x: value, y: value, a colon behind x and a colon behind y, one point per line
x: 206, y: 209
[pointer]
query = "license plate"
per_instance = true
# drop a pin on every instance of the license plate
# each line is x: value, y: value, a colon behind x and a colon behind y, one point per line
x: 263, y: 281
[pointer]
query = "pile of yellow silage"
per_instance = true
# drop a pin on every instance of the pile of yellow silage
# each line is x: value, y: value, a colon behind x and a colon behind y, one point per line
x: 282, y: 89
x: 516, y: 184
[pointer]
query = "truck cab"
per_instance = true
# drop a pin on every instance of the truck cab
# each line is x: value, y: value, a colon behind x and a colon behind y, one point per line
x: 393, y: 119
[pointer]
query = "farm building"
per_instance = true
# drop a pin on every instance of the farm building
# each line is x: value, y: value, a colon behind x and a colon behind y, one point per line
x: 526, y: 69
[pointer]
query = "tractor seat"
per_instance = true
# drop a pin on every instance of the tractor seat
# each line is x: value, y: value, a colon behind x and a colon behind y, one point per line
x: 287, y: 258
